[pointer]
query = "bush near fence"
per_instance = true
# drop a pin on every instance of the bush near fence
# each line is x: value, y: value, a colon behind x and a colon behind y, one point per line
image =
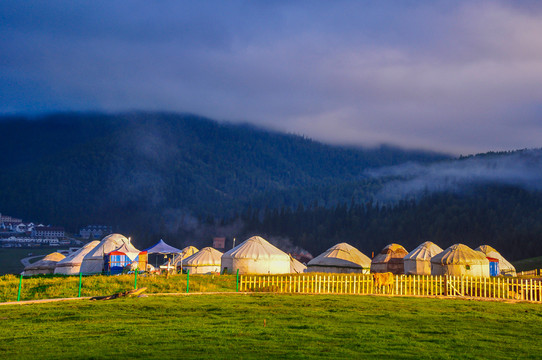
x: 61, y: 286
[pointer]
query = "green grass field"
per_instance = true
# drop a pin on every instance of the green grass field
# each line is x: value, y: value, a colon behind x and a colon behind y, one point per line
x: 272, y: 326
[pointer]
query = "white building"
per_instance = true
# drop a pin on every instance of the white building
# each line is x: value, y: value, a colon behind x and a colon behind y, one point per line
x: 48, y: 232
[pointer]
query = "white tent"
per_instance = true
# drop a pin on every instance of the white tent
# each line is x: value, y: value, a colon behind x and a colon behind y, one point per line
x: 256, y: 256
x: 71, y: 264
x: 45, y: 265
x: 504, y: 266
x: 459, y: 260
x: 296, y: 267
x: 93, y: 262
x: 418, y: 261
x: 127, y: 249
x: 340, y: 258
x: 205, y: 261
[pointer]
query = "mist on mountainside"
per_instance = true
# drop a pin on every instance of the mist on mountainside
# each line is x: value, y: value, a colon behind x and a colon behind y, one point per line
x: 412, y: 180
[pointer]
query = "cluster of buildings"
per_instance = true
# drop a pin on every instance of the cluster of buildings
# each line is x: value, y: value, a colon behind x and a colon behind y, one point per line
x: 16, y: 233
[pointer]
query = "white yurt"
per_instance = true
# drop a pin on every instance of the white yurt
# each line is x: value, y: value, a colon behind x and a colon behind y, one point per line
x: 256, y: 256
x: 44, y: 266
x: 505, y: 267
x: 296, y: 266
x: 93, y: 262
x: 459, y: 260
x: 340, y: 258
x: 205, y: 261
x: 185, y: 253
x: 390, y: 259
x: 71, y: 264
x: 418, y: 261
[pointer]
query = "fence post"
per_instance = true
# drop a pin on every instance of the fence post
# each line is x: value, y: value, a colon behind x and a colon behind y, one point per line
x: 20, y: 285
x: 135, y: 279
x: 80, y: 281
x: 187, y: 280
x: 237, y: 282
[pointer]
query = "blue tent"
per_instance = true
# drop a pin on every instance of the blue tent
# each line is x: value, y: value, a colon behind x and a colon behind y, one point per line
x: 162, y: 248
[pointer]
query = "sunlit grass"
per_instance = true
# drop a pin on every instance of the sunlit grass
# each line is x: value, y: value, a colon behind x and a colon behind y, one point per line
x: 50, y: 287
x: 272, y: 326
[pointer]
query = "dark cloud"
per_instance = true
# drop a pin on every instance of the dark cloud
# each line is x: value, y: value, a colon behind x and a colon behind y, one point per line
x: 456, y: 76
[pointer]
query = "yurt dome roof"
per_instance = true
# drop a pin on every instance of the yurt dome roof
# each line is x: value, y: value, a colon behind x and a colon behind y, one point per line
x: 77, y: 257
x: 189, y: 251
x: 256, y: 247
x: 47, y: 262
x: 207, y: 256
x: 341, y: 255
x: 505, y: 266
x: 108, y: 244
x: 458, y: 254
x: 56, y: 256
x: 389, y: 252
x: 424, y: 251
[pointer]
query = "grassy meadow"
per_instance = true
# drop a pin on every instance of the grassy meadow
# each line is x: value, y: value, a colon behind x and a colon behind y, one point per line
x: 58, y: 286
x: 272, y: 326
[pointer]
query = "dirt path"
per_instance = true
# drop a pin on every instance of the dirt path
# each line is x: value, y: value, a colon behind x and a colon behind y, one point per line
x: 25, y: 302
x: 26, y: 261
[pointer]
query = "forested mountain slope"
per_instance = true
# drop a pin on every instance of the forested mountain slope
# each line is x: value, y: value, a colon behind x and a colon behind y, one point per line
x: 144, y: 169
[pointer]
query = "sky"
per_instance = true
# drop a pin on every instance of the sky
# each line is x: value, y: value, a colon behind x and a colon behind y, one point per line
x: 453, y: 76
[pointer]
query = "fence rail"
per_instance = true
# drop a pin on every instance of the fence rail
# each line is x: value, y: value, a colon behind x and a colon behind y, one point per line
x: 423, y: 285
x: 535, y: 272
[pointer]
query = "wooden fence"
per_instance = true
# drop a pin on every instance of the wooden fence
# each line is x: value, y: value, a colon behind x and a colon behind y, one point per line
x: 535, y: 272
x: 492, y: 288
